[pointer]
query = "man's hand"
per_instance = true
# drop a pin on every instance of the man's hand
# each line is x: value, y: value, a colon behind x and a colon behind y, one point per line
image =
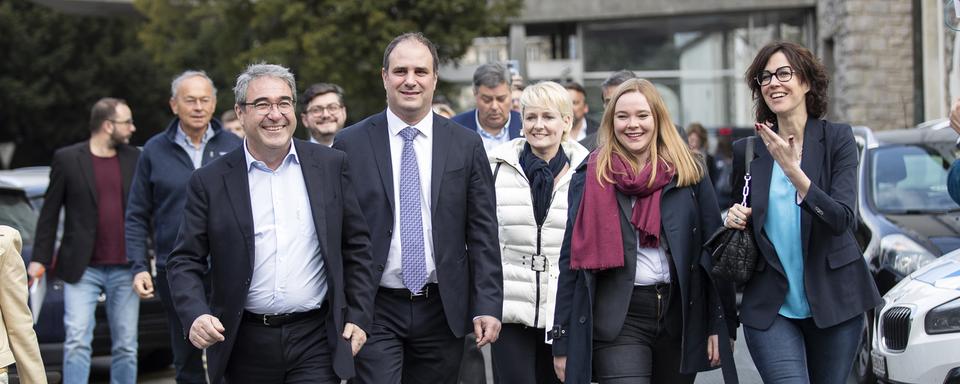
x: 487, y: 329
x: 35, y: 270
x: 356, y: 336
x: 955, y: 116
x: 143, y: 285
x: 206, y: 331
x: 560, y: 367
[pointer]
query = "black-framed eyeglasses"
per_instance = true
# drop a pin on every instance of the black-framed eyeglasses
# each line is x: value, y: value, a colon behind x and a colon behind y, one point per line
x: 128, y: 121
x: 783, y: 74
x: 318, y: 109
x: 264, y: 107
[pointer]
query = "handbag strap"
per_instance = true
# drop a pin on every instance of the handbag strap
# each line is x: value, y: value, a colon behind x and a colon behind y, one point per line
x: 747, y: 158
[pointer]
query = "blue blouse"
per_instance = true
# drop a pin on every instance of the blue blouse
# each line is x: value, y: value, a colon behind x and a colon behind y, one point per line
x: 782, y: 226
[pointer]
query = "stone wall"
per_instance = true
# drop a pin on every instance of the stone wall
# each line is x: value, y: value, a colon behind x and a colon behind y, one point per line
x: 868, y: 47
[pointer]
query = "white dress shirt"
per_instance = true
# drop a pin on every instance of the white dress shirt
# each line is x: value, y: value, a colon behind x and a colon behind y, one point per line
x: 288, y: 270
x: 423, y: 147
x: 652, y: 264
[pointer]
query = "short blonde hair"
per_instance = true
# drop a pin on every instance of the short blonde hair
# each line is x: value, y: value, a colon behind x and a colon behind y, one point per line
x: 667, y: 145
x: 549, y: 95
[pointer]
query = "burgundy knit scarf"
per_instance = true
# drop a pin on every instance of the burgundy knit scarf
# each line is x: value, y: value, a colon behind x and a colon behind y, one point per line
x: 597, y: 242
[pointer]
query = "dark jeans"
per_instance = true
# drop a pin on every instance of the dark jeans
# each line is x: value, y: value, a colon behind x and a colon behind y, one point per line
x: 297, y: 352
x: 648, y: 348
x: 187, y: 359
x: 409, y: 342
x: 520, y: 355
x: 796, y: 351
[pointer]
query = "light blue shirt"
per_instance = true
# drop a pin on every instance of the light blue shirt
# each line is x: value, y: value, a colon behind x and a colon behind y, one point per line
x: 288, y: 270
x: 492, y: 141
x: 195, y: 153
x: 783, y: 228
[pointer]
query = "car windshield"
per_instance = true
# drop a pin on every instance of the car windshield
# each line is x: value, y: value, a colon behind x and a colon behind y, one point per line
x: 910, y: 179
x: 16, y: 212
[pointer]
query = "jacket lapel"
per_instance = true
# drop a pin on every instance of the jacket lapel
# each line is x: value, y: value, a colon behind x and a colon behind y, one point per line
x: 441, y: 138
x: 811, y: 162
x: 380, y: 141
x: 313, y: 176
x: 86, y: 168
x: 238, y: 191
x: 128, y: 165
x: 761, y: 169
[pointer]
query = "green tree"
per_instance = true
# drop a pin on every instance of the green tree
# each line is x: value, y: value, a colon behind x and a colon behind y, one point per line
x: 339, y: 41
x: 56, y: 66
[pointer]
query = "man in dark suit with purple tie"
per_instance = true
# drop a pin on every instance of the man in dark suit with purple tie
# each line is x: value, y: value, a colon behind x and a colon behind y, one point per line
x: 429, y: 200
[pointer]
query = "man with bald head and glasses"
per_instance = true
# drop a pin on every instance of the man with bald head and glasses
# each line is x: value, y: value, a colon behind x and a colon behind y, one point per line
x: 290, y: 265
x: 324, y: 112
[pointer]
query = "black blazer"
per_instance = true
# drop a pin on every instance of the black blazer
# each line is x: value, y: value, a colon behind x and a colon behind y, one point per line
x: 838, y: 284
x: 217, y: 228
x: 593, y: 305
x: 466, y: 248
x: 73, y: 187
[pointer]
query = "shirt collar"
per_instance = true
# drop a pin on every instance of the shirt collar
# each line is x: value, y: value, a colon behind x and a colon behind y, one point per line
x: 395, y: 124
x: 254, y: 163
x: 500, y: 136
x: 183, y: 138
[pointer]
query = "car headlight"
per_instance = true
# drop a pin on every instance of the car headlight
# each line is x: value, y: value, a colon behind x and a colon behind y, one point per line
x: 944, y: 318
x: 904, y: 255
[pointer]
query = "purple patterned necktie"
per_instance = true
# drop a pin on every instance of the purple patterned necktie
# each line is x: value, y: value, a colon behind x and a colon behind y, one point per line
x: 414, y: 264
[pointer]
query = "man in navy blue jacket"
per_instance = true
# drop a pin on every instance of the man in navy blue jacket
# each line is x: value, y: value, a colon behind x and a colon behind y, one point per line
x: 158, y: 195
x: 492, y: 118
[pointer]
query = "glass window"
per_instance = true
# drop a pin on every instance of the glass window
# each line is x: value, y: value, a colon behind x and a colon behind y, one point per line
x: 910, y: 178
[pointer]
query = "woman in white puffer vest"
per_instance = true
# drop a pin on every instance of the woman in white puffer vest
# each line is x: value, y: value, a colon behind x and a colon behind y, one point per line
x: 532, y: 176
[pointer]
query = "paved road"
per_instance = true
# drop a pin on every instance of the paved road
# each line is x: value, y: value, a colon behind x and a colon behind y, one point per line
x: 746, y: 371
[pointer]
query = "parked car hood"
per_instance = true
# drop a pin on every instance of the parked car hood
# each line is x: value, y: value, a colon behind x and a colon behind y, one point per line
x: 942, y: 230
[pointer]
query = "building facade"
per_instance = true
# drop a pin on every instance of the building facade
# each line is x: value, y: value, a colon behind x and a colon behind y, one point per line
x: 890, y: 61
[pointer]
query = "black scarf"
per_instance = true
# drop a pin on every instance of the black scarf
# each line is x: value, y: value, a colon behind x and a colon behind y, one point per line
x: 541, y: 175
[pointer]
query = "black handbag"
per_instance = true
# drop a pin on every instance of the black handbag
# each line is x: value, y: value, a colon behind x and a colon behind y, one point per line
x: 733, y: 251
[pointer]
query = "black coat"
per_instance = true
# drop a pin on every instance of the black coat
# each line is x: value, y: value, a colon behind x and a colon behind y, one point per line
x: 73, y: 187
x: 217, y: 231
x: 594, y: 304
x: 838, y: 284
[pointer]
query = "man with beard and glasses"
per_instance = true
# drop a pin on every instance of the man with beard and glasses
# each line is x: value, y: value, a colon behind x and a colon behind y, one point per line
x: 324, y: 112
x: 90, y: 181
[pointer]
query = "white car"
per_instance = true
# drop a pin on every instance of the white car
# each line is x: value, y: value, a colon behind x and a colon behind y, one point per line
x: 917, y: 339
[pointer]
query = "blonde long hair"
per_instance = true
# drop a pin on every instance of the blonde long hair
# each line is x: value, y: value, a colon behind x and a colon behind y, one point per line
x: 667, y: 145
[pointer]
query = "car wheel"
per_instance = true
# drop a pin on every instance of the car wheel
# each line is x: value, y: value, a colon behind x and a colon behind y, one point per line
x: 863, y: 365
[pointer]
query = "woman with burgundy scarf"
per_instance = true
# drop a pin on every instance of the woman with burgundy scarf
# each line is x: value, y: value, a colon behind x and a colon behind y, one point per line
x: 533, y: 176
x: 635, y: 301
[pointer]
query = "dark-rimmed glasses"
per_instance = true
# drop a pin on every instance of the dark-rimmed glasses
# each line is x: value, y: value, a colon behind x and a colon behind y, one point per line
x: 318, y: 109
x: 783, y: 74
x: 264, y: 107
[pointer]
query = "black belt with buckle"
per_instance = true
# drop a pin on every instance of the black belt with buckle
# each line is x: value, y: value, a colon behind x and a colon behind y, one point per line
x: 425, y: 293
x: 279, y: 319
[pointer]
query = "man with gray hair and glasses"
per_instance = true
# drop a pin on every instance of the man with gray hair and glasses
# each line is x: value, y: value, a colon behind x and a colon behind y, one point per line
x: 492, y: 119
x: 290, y: 266
x: 157, y: 196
